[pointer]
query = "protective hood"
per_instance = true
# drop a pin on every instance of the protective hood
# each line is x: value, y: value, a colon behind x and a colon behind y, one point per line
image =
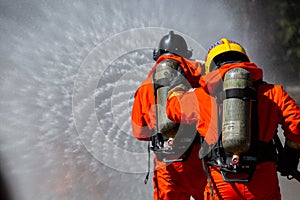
x: 192, y: 69
x: 213, y: 82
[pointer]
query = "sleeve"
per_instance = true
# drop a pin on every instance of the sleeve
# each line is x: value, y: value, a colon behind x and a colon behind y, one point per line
x: 194, y: 106
x: 142, y: 109
x: 183, y: 107
x: 290, y: 116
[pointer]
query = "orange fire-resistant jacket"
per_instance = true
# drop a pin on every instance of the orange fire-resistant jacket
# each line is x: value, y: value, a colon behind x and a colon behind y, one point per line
x: 275, y: 107
x: 178, y: 180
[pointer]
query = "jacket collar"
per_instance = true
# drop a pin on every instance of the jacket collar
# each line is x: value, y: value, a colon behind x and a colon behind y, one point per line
x: 192, y: 69
x: 213, y: 81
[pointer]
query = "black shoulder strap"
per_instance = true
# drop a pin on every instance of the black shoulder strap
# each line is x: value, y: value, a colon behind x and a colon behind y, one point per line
x: 262, y: 150
x: 254, y: 119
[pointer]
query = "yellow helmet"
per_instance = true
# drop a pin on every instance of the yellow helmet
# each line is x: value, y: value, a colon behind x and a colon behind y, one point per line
x: 222, y: 46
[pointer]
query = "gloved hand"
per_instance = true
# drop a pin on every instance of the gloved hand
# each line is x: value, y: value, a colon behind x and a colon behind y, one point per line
x: 288, y: 161
x: 178, y: 85
x: 179, y: 82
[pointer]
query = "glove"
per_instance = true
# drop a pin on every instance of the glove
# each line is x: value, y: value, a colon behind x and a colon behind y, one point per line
x: 288, y: 161
x: 178, y: 85
x: 179, y: 82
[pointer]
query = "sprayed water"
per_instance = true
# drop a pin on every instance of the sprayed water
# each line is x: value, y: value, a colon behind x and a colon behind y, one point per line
x: 46, y: 49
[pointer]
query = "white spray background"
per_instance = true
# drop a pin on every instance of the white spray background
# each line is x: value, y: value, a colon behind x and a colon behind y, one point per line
x: 69, y: 70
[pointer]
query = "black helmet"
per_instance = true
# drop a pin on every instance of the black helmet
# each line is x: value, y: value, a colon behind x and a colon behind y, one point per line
x: 174, y: 44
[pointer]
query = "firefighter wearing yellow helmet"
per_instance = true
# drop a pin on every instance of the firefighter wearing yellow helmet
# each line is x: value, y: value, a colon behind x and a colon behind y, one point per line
x: 253, y: 175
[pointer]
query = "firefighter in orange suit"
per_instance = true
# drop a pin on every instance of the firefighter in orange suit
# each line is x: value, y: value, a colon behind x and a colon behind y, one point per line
x: 256, y: 176
x: 180, y: 179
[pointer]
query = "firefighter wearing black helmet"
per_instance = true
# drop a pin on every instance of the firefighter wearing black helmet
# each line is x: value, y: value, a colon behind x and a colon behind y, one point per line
x: 178, y: 171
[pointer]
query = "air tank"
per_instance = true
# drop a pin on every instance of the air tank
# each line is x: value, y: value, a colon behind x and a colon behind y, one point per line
x: 236, y: 124
x: 164, y: 71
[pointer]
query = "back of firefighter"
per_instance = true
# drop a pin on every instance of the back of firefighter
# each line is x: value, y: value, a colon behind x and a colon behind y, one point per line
x: 274, y: 107
x: 175, y: 180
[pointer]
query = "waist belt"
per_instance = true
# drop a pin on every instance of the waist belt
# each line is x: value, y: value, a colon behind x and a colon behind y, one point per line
x: 179, y: 152
x: 265, y: 151
x: 258, y: 153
